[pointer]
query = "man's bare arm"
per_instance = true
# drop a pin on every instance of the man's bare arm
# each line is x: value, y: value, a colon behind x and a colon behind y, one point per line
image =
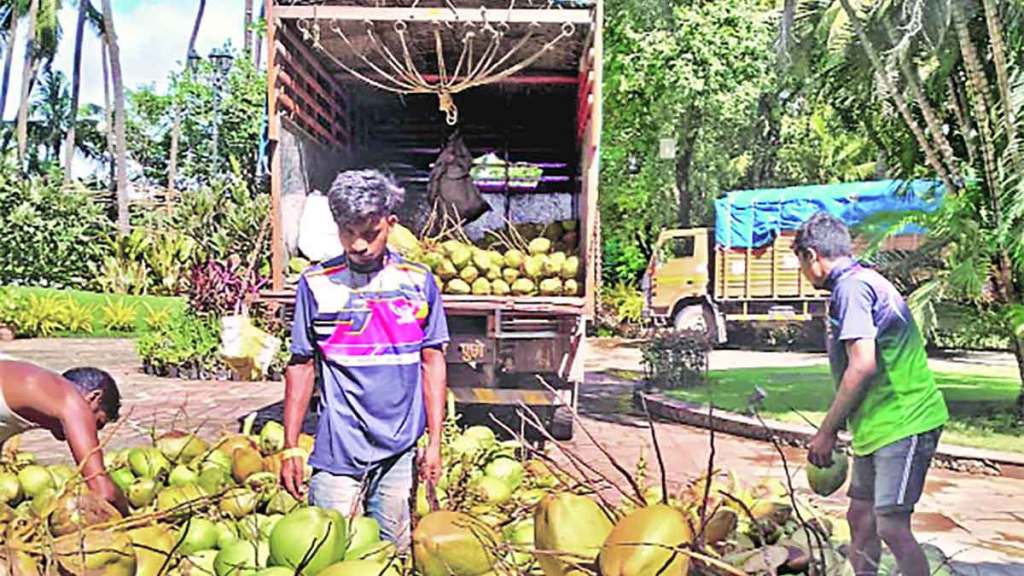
x: 861, y: 366
x: 299, y: 379
x: 435, y: 391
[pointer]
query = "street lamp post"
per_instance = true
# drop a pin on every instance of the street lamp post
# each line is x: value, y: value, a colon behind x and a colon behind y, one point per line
x: 221, y: 61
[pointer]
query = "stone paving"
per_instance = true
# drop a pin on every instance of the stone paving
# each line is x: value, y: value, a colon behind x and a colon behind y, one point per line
x: 978, y: 520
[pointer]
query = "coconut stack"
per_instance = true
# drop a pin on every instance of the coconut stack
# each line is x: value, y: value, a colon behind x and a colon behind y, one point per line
x: 216, y: 507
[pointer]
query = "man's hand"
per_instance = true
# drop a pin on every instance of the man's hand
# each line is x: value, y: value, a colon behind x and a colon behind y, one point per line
x: 819, y: 451
x: 428, y: 463
x: 292, y: 476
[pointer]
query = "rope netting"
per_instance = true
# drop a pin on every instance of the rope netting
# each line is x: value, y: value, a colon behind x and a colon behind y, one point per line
x: 482, y: 58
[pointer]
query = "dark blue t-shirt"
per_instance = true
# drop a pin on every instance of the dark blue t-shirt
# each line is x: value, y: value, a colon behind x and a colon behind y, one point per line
x: 367, y: 332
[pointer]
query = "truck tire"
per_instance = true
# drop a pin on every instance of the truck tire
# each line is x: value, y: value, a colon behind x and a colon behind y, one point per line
x: 693, y: 318
x: 561, y: 427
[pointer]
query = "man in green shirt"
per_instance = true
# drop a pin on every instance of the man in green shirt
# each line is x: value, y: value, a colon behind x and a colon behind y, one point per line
x: 886, y: 392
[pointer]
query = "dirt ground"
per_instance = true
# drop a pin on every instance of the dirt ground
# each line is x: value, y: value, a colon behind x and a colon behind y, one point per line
x: 977, y: 520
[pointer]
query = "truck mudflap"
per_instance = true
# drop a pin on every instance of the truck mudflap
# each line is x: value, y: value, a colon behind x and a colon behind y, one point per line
x: 507, y: 396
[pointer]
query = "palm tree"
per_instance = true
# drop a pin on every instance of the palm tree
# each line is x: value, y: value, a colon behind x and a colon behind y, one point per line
x: 50, y: 115
x: 247, y: 29
x: 121, y: 164
x: 86, y: 12
x: 172, y: 160
x: 40, y: 48
x: 12, y: 12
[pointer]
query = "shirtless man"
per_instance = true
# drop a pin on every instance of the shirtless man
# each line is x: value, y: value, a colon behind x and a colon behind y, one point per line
x: 72, y: 406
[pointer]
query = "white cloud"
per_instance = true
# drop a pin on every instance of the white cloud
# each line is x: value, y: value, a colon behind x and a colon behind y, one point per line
x: 153, y: 36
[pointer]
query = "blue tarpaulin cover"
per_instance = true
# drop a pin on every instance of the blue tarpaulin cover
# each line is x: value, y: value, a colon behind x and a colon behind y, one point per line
x: 752, y: 218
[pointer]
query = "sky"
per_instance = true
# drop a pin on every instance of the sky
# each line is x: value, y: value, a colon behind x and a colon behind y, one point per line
x: 153, y: 36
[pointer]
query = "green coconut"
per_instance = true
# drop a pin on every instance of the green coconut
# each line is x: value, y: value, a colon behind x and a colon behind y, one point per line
x: 481, y: 259
x: 481, y: 287
x: 491, y: 490
x: 551, y: 287
x: 461, y: 256
x: 376, y: 551
x: 176, y: 496
x: 554, y: 263
x: 448, y: 543
x: 826, y: 481
x: 363, y: 568
x: 539, y: 246
x: 566, y: 523
x: 500, y: 288
x: 508, y: 470
x: 570, y: 288
x: 306, y: 529
x: 153, y: 545
x: 458, y: 287
x: 661, y: 528
x: 199, y: 564
x: 142, y: 492
x: 282, y: 503
x: 76, y: 510
x: 469, y: 274
x: 524, y: 287
x: 34, y: 479
x: 10, y: 488
x: 513, y: 259
x: 510, y: 275
x: 520, y: 535
x: 445, y: 270
x: 238, y: 502
x: 148, y: 462
x: 241, y: 558
x: 99, y: 552
x: 182, y: 474
x: 569, y: 225
x: 403, y: 241
x: 432, y: 260
x: 62, y: 474
x: 196, y: 535
x: 271, y: 438
x: 364, y: 531
x: 493, y: 273
x: 178, y: 446
x: 533, y: 266
x: 570, y: 268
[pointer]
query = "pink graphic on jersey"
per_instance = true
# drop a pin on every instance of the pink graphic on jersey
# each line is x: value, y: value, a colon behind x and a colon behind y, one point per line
x: 379, y: 330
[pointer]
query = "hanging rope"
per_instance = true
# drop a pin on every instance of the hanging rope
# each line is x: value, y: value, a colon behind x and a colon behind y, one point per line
x: 397, y: 72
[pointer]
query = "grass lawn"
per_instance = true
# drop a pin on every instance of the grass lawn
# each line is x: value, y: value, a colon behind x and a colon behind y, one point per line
x: 981, y: 405
x: 143, y: 306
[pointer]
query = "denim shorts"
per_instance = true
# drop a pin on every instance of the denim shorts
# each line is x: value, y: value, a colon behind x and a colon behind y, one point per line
x: 893, y: 476
x: 383, y: 494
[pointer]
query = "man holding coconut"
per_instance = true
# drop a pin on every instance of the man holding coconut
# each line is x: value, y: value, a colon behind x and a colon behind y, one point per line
x: 72, y: 406
x: 373, y: 328
x: 885, y: 390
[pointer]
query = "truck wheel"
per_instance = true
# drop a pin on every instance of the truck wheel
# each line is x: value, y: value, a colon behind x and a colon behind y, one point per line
x: 561, y: 427
x: 692, y: 318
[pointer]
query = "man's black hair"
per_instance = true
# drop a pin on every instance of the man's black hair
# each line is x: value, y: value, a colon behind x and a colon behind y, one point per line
x: 87, y: 380
x: 361, y: 195
x: 826, y: 235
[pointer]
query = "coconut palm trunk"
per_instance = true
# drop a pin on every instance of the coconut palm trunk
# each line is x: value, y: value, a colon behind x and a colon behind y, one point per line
x: 27, y: 76
x: 12, y: 36
x: 247, y: 30
x: 121, y: 164
x: 76, y: 83
x: 108, y: 111
x: 172, y: 160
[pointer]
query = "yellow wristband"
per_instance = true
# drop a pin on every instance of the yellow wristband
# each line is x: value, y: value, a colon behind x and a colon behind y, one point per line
x: 294, y: 453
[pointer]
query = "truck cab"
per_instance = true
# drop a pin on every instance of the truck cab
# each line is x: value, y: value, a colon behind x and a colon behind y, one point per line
x: 677, y: 280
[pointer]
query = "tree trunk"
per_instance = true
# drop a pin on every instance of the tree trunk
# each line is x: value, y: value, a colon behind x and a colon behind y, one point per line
x: 76, y: 83
x: 889, y: 90
x: 122, y: 154
x: 247, y: 31
x: 28, y: 73
x: 172, y: 160
x: 688, y: 131
x: 108, y: 112
x: 195, y: 27
x: 12, y: 36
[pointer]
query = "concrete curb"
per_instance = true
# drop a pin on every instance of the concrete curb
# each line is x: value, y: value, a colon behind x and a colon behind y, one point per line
x: 959, y: 458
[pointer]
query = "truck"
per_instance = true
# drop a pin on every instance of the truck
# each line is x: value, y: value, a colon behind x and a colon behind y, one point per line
x: 332, y: 105
x: 743, y: 270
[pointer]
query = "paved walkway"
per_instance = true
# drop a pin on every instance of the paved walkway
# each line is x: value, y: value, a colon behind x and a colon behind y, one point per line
x: 978, y: 520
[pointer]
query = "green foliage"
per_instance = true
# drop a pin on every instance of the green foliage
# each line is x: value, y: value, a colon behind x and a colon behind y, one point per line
x: 119, y: 315
x: 147, y: 261
x: 52, y: 236
x: 676, y: 359
x: 42, y: 316
x: 79, y: 316
x: 192, y: 96
x: 624, y: 301
x: 185, y: 340
x: 157, y: 318
x: 10, y: 307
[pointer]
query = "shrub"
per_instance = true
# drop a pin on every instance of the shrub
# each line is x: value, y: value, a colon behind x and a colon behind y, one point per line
x: 119, y: 316
x: 43, y: 316
x: 52, y: 235
x: 676, y: 359
x: 185, y: 341
x: 79, y: 316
